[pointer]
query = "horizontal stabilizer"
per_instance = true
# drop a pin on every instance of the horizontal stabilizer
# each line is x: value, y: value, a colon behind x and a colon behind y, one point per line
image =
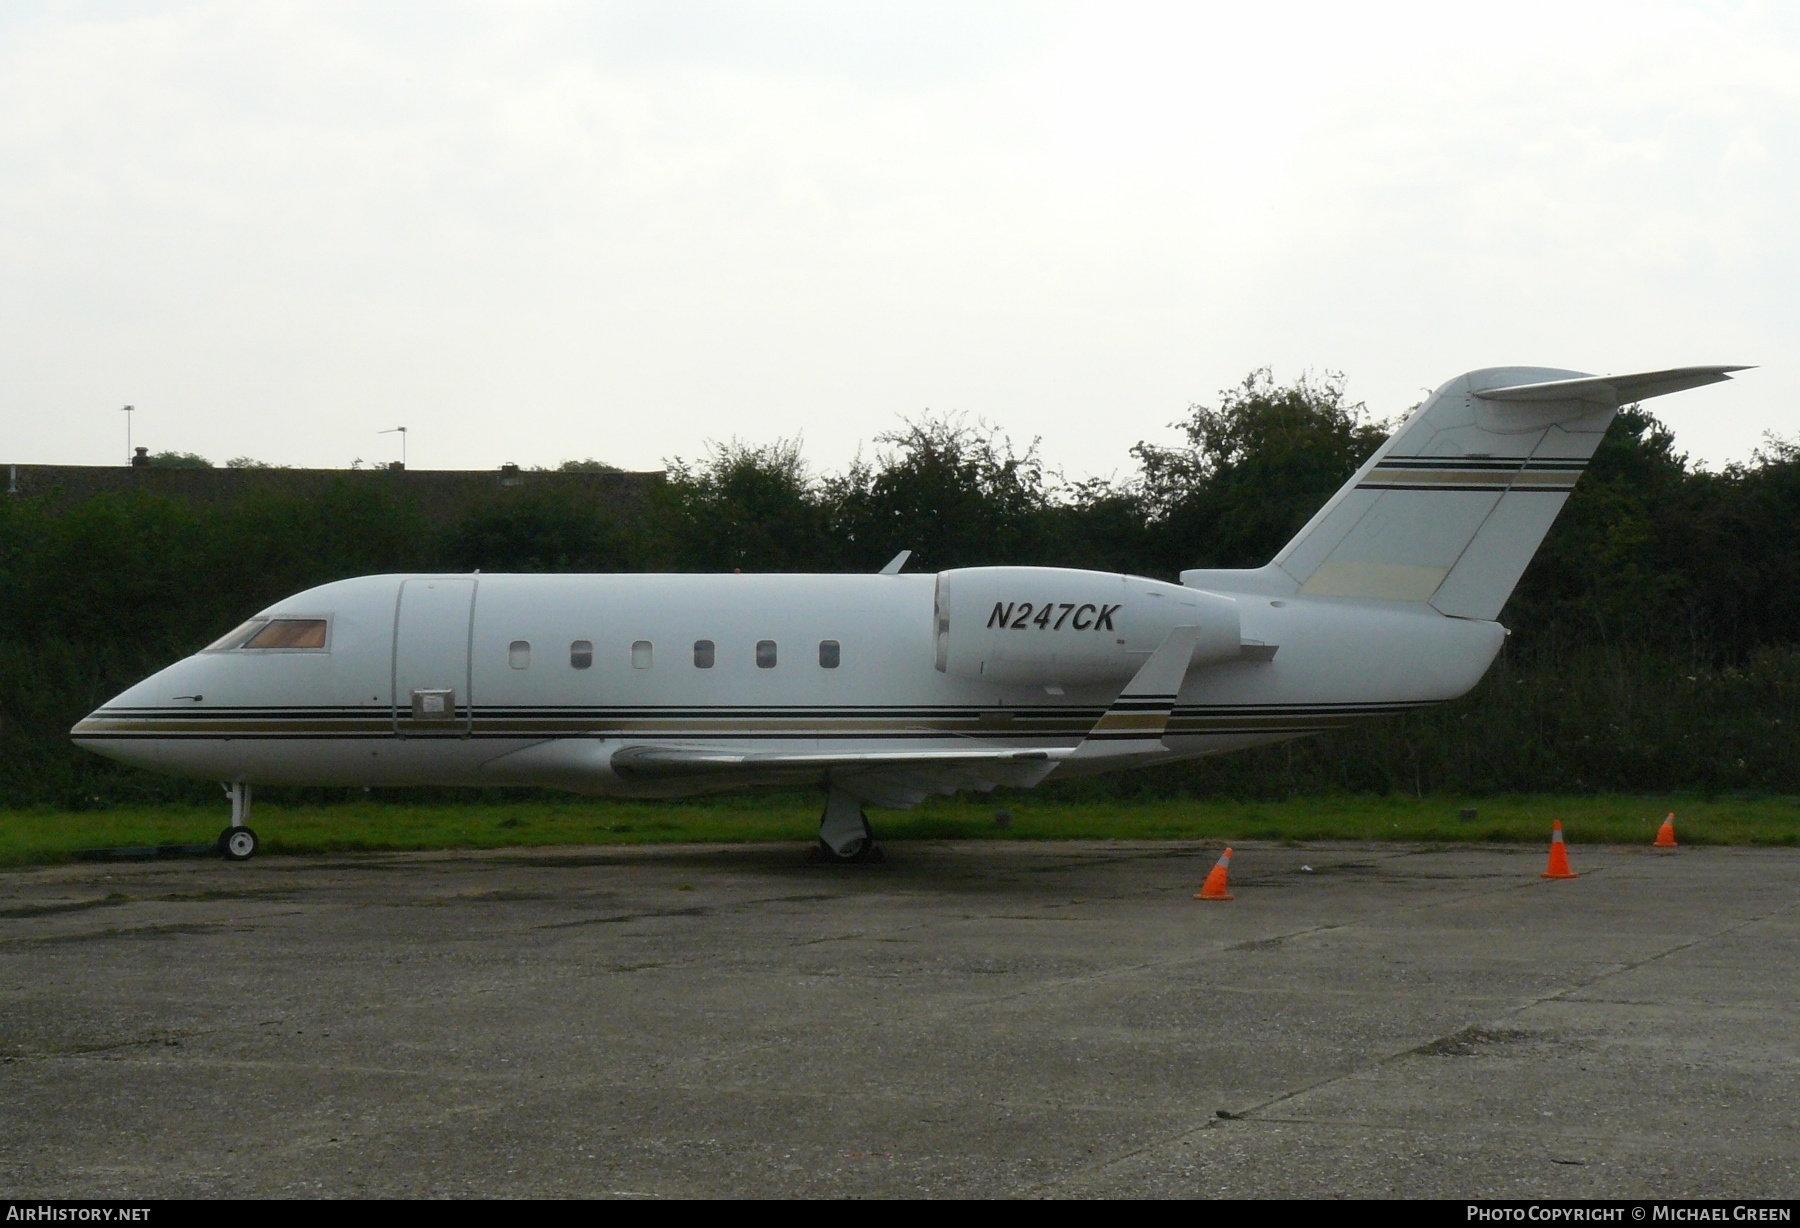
x: 1612, y: 390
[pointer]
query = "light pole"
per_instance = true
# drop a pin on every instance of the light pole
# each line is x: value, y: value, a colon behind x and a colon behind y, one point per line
x: 401, y: 431
x: 128, y: 453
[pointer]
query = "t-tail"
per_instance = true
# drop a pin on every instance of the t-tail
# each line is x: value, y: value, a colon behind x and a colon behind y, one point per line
x: 1450, y: 510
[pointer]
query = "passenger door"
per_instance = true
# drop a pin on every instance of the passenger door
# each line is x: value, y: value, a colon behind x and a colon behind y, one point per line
x: 432, y: 680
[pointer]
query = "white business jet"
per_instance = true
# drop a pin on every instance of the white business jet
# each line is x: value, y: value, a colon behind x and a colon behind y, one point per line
x: 888, y: 688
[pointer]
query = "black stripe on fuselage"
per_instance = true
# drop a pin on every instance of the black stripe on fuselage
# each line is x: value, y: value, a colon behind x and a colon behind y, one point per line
x: 385, y: 712
x: 499, y: 723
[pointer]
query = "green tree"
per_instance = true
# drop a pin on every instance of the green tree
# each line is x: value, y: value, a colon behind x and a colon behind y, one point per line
x: 1748, y: 571
x: 954, y: 494
x: 1252, y: 470
x: 1608, y: 569
x: 538, y: 532
x: 179, y: 460
x: 746, y: 506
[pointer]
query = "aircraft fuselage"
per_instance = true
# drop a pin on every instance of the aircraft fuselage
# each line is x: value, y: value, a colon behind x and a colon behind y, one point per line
x: 445, y: 679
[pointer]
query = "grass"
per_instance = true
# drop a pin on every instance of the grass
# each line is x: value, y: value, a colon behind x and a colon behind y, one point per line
x: 38, y: 836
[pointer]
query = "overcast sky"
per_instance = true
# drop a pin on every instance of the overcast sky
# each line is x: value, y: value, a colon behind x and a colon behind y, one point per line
x: 532, y: 232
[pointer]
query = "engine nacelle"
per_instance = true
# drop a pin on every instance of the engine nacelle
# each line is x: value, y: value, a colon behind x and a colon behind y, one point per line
x: 1050, y: 625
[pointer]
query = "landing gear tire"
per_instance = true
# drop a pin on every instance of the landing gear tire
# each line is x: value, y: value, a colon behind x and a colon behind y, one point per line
x: 859, y: 853
x: 844, y: 835
x: 238, y: 844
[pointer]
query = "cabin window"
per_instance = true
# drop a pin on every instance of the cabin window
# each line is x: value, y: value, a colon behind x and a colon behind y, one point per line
x: 640, y: 654
x: 703, y: 654
x: 581, y: 654
x: 828, y: 654
x: 275, y: 634
x: 518, y: 654
x: 765, y: 654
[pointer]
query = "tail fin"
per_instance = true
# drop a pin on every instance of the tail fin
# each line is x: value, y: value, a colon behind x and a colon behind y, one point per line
x: 1451, y: 509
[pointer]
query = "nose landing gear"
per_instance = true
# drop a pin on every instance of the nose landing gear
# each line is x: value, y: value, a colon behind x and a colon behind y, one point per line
x: 238, y: 842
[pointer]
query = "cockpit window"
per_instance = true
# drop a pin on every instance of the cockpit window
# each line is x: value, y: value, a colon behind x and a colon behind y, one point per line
x: 235, y: 638
x: 284, y: 634
x: 290, y: 633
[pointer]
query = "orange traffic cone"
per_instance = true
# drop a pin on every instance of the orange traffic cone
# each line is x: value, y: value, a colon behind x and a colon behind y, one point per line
x: 1665, y: 835
x: 1559, y: 855
x: 1214, y: 887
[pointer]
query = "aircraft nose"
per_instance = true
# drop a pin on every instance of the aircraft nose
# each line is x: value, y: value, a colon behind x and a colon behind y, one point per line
x: 103, y: 728
x: 98, y: 721
x: 133, y: 726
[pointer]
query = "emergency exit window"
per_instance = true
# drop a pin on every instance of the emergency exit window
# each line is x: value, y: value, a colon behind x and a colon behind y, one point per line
x: 581, y: 654
x: 640, y: 654
x: 518, y: 654
x: 765, y: 654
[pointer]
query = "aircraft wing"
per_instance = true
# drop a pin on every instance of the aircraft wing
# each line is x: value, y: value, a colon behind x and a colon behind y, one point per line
x: 655, y: 761
x: 1131, y: 728
x: 883, y: 778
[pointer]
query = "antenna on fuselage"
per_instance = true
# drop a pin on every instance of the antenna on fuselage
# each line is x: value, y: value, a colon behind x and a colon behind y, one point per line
x: 896, y: 563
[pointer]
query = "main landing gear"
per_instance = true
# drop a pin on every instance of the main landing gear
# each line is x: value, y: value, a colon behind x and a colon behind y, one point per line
x: 844, y: 835
x: 238, y: 842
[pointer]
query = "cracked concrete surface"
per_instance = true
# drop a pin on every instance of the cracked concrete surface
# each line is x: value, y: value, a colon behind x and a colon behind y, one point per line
x: 967, y: 1019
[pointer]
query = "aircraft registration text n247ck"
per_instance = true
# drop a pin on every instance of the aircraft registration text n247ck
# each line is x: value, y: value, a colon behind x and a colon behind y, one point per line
x: 1017, y: 616
x: 884, y: 689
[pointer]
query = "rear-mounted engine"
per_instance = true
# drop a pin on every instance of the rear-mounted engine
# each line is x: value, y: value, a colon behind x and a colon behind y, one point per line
x: 1051, y: 625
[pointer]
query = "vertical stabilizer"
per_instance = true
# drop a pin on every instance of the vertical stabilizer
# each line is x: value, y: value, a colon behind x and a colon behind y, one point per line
x: 1450, y: 510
